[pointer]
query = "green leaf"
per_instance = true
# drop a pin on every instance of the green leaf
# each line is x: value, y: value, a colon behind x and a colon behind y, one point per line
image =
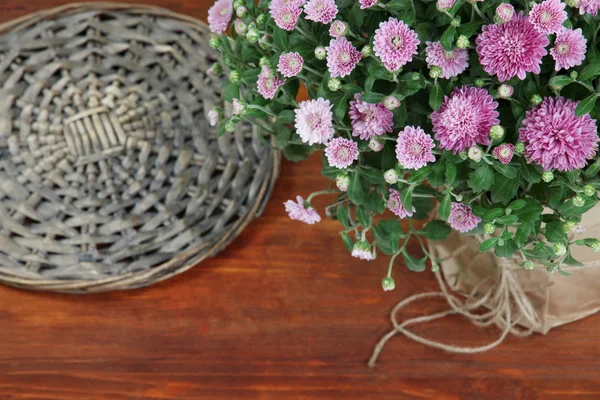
x: 363, y: 216
x: 296, y: 152
x: 436, y: 230
x: 372, y: 98
x: 517, y: 204
x: 481, y: 179
x: 436, y: 95
x: 590, y: 71
x: 340, y: 108
x: 372, y: 175
x: 413, y: 263
x: 280, y: 38
x: 593, y: 169
x: 450, y: 173
x: 493, y: 214
x: 448, y: 38
x: 351, y: 88
x: 356, y: 191
x: 506, y: 170
x: 380, y: 72
x: 470, y: 28
x: 348, y: 241
x: 437, y: 176
x: 286, y: 117
x: 398, y: 5
x: 419, y: 175
x: 523, y: 232
x: 231, y: 91
x: 570, y: 260
x: 445, y: 205
x: 560, y: 81
x: 374, y: 203
x: 504, y: 189
x: 369, y: 82
x: 488, y: 244
x: 356, y: 16
x: 406, y: 197
x: 586, y: 105
x: 507, y: 249
x: 554, y: 233
x: 529, y: 172
x: 507, y: 219
x: 342, y: 216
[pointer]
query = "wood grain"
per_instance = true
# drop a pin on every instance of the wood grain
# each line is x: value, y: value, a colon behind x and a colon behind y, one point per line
x: 283, y: 313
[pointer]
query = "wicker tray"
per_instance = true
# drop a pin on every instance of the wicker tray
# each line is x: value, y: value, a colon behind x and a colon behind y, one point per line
x: 110, y: 175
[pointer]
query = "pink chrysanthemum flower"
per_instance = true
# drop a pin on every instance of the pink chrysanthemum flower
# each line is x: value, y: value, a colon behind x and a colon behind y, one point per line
x: 238, y: 107
x: 213, y: 117
x: 323, y: 11
x: 505, y: 12
x: 342, y: 57
x: 341, y: 153
x: 395, y: 44
x: 413, y: 148
x: 548, y: 16
x: 569, y: 48
x: 314, y: 121
x: 300, y: 211
x: 557, y: 139
x: 465, y: 119
x: 219, y: 15
x: 395, y: 205
x: 290, y: 64
x: 369, y: 120
x: 444, y: 5
x: 362, y: 251
x: 512, y: 48
x: 268, y: 83
x: 367, y: 3
x: 451, y: 62
x: 240, y: 26
x: 504, y: 153
x: 589, y: 7
x: 286, y: 13
x: 338, y: 29
x: 462, y: 218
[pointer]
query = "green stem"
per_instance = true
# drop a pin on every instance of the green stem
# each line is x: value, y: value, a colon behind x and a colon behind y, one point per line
x: 261, y: 108
x: 314, y: 71
x: 318, y: 193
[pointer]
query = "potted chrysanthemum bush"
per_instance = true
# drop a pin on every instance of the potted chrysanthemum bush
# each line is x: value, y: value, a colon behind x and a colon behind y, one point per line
x: 476, y: 117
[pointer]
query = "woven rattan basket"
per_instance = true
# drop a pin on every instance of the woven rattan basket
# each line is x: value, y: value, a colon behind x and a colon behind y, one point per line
x: 110, y: 175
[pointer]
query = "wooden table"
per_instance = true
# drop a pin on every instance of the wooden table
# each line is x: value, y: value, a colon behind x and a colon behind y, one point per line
x: 283, y: 313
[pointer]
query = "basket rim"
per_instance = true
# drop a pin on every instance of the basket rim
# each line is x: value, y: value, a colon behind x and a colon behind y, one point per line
x: 163, y: 271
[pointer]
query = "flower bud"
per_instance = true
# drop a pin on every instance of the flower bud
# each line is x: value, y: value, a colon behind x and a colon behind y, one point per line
x: 342, y: 182
x: 500, y: 242
x: 559, y: 249
x: 263, y: 41
x: 240, y: 26
x: 215, y: 70
x: 455, y: 21
x: 435, y: 267
x: 574, y: 75
x: 504, y: 13
x: 234, y: 76
x: 264, y: 62
x: 239, y: 107
x: 475, y: 153
x: 569, y: 226
x: 214, y: 116
x: 589, y: 190
x: 237, y: 3
x: 241, y: 11
x: 388, y: 284
x: 573, y: 3
x: 214, y: 42
x: 444, y: 5
x: 536, y: 99
x: 375, y: 145
x: 391, y: 103
x: 489, y: 228
x: 479, y: 83
x: 435, y: 72
x: 463, y: 155
x: 366, y: 51
x: 338, y: 29
x: 261, y: 19
x: 508, y: 211
x: 595, y: 246
x: 519, y: 147
x: 462, y: 42
x: 415, y: 76
x: 362, y: 251
x: 497, y: 133
x: 252, y: 35
x: 458, y: 197
x: 334, y: 84
x: 390, y: 176
x: 320, y: 53
x: 547, y: 176
x: 578, y: 201
x: 528, y: 265
x: 230, y: 125
x: 505, y: 91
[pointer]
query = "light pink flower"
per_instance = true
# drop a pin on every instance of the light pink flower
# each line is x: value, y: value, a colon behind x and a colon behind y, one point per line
x: 213, y: 117
x: 238, y: 107
x: 445, y: 4
x: 268, y: 83
x: 465, y: 119
x: 569, y: 48
x: 451, y: 62
x: 314, y: 121
x: 323, y: 11
x: 395, y: 205
x: 290, y: 64
x: 342, y: 57
x: 301, y: 212
x: 219, y: 15
x: 413, y: 148
x: 555, y: 138
x: 375, y: 145
x: 367, y: 3
x: 369, y: 120
x: 395, y: 44
x: 504, y: 153
x: 240, y: 26
x: 505, y: 12
x: 589, y: 7
x: 462, y: 218
x: 548, y: 16
x: 341, y: 153
x: 338, y: 29
x: 511, y: 49
x: 286, y: 13
x: 362, y: 251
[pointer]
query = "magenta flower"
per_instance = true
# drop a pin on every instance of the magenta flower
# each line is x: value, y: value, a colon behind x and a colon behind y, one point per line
x: 314, y: 121
x: 286, y: 13
x: 557, y: 139
x: 369, y: 120
x: 589, y: 7
x: 413, y: 148
x: 219, y: 15
x: 451, y: 62
x: 505, y: 12
x: 548, y: 16
x: 367, y: 3
x: 323, y: 11
x: 395, y: 44
x: 268, y: 83
x: 504, y: 153
x: 465, y: 119
x: 569, y: 48
x: 301, y: 211
x: 462, y: 218
x: 341, y: 153
x: 290, y: 64
x: 512, y: 48
x: 395, y: 205
x: 342, y: 57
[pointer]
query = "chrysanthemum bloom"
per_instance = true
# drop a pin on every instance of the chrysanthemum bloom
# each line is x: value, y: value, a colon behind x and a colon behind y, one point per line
x: 362, y: 250
x: 219, y: 15
x: 505, y: 12
x: 462, y: 218
x: 413, y: 148
x: 314, y: 121
x: 505, y: 91
x: 557, y: 139
x: 341, y: 153
x: 465, y: 119
x: 589, y: 7
x: 323, y: 11
x: 342, y: 57
x: 301, y: 212
x: 444, y: 5
x: 367, y: 3
x: 238, y: 107
x: 569, y: 48
x: 240, y: 26
x: 213, y: 117
x: 338, y: 29
x: 286, y: 13
x: 368, y: 119
x: 395, y: 205
x: 548, y: 16
x: 391, y: 103
x: 395, y: 44
x: 451, y: 62
x: 268, y: 83
x: 504, y: 153
x: 512, y: 48
x: 375, y: 145
x: 290, y: 64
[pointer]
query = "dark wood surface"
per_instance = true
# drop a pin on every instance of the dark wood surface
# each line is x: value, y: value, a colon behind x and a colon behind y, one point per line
x: 283, y: 313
